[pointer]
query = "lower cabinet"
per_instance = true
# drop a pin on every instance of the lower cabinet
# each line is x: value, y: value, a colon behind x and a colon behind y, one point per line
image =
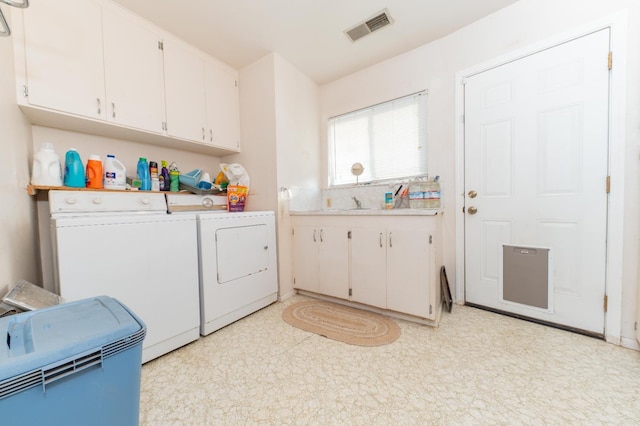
x: 322, y: 259
x: 388, y: 262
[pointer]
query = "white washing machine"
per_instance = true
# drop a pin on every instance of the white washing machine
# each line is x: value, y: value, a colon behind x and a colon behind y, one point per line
x: 125, y: 245
x: 237, y: 259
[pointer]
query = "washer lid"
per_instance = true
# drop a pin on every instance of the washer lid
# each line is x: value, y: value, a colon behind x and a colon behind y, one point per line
x: 193, y: 202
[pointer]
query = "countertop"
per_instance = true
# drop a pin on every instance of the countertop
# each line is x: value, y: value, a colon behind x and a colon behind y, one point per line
x: 369, y: 212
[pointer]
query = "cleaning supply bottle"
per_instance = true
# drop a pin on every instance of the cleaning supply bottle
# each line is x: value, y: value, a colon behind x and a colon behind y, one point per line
x: 153, y: 173
x: 143, y: 174
x: 174, y: 178
x: 73, y: 170
x: 164, y: 177
x: 94, y: 172
x: 46, y: 170
x: 115, y: 173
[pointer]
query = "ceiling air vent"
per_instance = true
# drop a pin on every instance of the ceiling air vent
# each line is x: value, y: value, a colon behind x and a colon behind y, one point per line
x: 379, y: 21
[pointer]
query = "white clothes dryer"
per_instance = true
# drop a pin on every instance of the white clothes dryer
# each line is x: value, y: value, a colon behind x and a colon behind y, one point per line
x: 237, y: 258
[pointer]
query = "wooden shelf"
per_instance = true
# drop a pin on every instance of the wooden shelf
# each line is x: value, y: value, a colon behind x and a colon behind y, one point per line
x: 33, y: 189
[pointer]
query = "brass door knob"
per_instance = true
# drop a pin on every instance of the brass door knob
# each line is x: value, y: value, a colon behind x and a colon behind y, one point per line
x: 472, y: 194
x: 472, y: 210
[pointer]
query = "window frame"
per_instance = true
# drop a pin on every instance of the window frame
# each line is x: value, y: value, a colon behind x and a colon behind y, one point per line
x: 422, y: 143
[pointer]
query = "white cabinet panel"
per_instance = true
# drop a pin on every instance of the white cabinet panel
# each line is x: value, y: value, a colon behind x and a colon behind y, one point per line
x: 63, y: 56
x: 369, y: 266
x: 184, y: 90
x: 411, y: 272
x: 306, y: 262
x: 321, y: 261
x: 133, y: 73
x: 222, y: 103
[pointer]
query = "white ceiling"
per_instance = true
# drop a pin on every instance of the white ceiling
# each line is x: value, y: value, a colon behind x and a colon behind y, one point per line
x: 310, y: 33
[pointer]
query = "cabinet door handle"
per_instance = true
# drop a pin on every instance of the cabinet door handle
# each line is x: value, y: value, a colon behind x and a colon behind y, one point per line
x: 98, y: 104
x: 381, y: 239
x: 322, y: 235
x: 113, y: 109
x: 314, y: 235
x: 390, y: 241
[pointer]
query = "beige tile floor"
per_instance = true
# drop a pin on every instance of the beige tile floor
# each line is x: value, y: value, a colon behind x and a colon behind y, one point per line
x: 476, y: 368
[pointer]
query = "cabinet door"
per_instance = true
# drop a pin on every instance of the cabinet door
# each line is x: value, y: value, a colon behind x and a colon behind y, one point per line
x: 184, y: 91
x: 333, y: 257
x: 63, y: 56
x: 409, y: 271
x: 223, y: 114
x: 369, y: 266
x: 305, y: 263
x: 133, y: 73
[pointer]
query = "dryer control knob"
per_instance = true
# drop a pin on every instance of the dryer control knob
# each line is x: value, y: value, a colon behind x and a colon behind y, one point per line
x: 70, y: 200
x: 97, y: 201
x: 144, y: 201
x: 207, y: 202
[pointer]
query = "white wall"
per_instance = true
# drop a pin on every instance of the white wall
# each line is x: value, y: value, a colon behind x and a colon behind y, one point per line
x: 126, y: 151
x: 433, y: 67
x: 18, y: 244
x: 298, y: 153
x: 280, y: 146
x: 258, y: 133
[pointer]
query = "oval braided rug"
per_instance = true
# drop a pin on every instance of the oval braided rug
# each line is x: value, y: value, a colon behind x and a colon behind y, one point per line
x: 342, y: 323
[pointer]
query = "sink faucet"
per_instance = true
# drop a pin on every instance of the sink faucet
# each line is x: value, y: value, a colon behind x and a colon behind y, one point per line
x: 358, y: 203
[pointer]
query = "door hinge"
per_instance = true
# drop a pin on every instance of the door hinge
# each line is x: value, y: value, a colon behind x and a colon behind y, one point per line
x: 606, y: 302
x: 349, y: 234
x: 236, y: 83
x: 430, y: 239
x: 350, y: 292
x: 293, y: 231
x: 160, y: 45
x: 610, y: 60
x: 430, y: 309
x: 608, y: 184
x: 25, y: 91
x: 635, y: 325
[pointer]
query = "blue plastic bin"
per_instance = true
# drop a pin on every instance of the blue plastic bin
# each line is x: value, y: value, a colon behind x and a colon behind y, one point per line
x: 77, y: 363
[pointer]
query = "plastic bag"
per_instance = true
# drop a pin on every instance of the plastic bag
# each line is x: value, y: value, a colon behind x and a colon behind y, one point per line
x: 236, y: 174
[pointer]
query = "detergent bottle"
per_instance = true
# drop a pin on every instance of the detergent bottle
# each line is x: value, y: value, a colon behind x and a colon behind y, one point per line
x: 73, y: 170
x: 164, y: 178
x: 94, y: 172
x: 46, y: 169
x: 115, y: 174
x: 144, y: 174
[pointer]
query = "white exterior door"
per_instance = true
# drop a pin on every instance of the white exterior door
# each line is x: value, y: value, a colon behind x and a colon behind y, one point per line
x: 536, y: 146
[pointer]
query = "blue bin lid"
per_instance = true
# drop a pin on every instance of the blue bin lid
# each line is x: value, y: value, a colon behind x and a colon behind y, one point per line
x: 37, y: 338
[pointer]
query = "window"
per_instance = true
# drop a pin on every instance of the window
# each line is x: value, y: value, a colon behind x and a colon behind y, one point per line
x: 388, y: 139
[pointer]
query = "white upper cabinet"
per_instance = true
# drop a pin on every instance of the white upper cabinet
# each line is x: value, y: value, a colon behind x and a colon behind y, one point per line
x: 63, y: 57
x: 133, y: 72
x: 94, y: 67
x: 223, y: 110
x: 209, y: 87
x: 184, y: 89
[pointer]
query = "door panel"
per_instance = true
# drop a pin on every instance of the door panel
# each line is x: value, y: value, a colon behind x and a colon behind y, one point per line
x: 536, y: 146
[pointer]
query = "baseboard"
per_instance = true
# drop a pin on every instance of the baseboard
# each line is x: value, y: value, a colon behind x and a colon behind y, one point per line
x: 630, y: 344
x: 287, y: 295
